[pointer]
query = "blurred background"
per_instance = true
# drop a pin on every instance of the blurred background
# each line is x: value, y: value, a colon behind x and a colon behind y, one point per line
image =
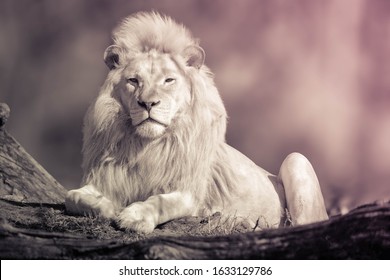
x: 307, y: 76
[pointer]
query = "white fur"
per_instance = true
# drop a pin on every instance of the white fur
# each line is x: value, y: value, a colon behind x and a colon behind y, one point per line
x: 153, y: 173
x: 146, y: 31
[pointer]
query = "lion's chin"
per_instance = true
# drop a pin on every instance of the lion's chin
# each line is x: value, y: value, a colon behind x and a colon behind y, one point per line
x: 150, y: 129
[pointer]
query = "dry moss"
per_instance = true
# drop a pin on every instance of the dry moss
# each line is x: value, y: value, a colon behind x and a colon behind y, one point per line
x: 53, y: 218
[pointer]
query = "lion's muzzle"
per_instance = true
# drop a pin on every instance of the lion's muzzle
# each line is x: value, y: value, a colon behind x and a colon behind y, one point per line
x: 155, y: 111
x: 148, y: 105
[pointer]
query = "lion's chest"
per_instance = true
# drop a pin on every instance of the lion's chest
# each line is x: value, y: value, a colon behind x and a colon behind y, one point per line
x: 125, y: 183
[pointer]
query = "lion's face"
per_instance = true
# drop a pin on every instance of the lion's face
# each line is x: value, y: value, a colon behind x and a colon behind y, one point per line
x: 153, y: 92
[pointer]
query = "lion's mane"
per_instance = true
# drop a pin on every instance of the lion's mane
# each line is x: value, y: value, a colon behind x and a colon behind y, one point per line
x: 128, y: 168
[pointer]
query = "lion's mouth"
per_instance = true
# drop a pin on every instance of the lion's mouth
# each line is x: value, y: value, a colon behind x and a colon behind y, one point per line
x: 151, y: 120
x: 150, y: 128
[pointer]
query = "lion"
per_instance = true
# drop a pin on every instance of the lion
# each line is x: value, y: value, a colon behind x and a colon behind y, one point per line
x: 154, y: 144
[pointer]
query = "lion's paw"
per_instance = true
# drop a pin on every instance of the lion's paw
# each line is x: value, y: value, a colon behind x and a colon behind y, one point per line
x: 137, y: 217
x: 79, y: 202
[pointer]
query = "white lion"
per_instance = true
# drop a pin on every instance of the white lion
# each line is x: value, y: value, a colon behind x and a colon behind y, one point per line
x: 154, y: 142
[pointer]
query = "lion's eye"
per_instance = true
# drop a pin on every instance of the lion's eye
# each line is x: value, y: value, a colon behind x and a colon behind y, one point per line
x: 133, y: 81
x: 169, y: 80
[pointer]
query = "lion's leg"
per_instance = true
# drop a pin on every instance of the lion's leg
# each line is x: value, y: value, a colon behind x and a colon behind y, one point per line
x: 303, y: 193
x: 89, y: 201
x: 145, y: 216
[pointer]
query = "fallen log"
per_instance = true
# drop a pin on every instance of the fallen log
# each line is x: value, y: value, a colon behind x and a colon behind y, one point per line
x: 21, y: 177
x: 364, y: 233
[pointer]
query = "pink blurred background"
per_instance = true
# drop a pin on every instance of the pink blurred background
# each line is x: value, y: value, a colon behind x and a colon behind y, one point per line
x: 307, y: 76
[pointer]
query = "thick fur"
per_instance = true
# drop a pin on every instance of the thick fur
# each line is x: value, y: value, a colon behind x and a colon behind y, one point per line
x: 143, y: 181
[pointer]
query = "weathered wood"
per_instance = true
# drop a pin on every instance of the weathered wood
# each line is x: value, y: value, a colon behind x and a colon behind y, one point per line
x: 362, y: 234
x: 21, y: 177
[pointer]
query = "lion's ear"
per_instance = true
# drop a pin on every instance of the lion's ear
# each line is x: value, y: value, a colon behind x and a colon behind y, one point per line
x: 194, y: 56
x: 111, y: 56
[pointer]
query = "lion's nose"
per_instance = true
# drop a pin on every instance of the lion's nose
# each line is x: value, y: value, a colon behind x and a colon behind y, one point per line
x: 148, y: 105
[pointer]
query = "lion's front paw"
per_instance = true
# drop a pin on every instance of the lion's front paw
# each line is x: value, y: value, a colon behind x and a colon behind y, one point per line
x: 137, y: 217
x: 82, y: 203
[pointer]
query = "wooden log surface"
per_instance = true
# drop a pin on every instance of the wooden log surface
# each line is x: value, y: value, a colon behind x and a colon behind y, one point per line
x: 361, y: 234
x: 35, y: 225
x: 21, y: 177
